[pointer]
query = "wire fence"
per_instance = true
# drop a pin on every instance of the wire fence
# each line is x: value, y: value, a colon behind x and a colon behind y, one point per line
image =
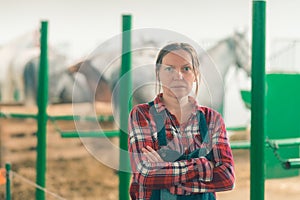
x: 284, y: 55
x: 14, y: 175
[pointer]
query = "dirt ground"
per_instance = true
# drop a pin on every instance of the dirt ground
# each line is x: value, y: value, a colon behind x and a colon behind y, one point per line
x: 83, y: 168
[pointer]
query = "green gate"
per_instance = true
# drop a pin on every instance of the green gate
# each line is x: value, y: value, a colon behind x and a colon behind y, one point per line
x: 282, y: 120
x: 282, y: 117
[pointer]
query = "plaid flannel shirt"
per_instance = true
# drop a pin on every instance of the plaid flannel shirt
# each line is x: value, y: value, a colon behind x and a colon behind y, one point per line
x: 181, y: 177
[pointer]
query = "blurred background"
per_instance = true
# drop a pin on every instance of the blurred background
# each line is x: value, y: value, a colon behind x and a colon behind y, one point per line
x: 77, y: 28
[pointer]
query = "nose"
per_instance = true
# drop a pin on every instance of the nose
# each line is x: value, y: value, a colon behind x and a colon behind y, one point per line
x: 178, y: 75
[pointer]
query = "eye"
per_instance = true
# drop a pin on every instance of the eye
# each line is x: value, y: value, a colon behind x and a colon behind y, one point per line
x: 169, y: 69
x: 187, y: 68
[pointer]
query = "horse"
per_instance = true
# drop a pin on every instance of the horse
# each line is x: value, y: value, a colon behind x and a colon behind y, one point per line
x: 19, y: 73
x: 9, y: 52
x: 102, y: 68
x: 231, y: 51
x: 60, y: 83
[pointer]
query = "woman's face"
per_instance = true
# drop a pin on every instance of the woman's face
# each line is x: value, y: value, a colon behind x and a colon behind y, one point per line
x: 176, y: 74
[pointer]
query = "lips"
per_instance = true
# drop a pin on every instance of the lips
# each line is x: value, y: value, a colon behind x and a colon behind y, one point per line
x: 178, y: 86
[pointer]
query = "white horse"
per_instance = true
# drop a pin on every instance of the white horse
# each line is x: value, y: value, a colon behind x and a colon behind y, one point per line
x: 102, y: 68
x: 233, y: 51
x: 19, y: 66
x: 8, y: 55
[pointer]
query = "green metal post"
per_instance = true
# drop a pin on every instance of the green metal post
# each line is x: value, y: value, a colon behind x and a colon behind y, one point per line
x: 125, y: 106
x: 42, y: 114
x: 257, y: 155
x: 8, y: 192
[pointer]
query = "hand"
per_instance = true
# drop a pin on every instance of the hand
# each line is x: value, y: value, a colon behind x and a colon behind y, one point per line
x: 151, y: 155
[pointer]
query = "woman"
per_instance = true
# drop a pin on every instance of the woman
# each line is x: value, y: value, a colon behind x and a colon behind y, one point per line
x: 178, y: 149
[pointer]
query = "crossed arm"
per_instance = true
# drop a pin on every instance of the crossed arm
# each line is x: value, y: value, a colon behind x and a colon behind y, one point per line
x: 193, y: 175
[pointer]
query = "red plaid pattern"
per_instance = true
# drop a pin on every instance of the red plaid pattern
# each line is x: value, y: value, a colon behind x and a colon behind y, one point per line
x: 180, y: 177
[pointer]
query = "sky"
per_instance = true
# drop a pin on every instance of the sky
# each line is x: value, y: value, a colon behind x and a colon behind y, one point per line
x: 80, y: 26
x: 85, y: 24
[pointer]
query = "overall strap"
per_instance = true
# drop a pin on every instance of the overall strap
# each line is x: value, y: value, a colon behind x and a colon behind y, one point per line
x: 159, y: 119
x: 202, y: 125
x: 204, y: 135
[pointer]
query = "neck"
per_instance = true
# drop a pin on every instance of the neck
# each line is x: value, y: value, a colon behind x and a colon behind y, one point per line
x: 175, y: 103
x: 181, y: 108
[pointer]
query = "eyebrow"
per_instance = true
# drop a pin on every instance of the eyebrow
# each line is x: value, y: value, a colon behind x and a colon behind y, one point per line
x: 189, y: 64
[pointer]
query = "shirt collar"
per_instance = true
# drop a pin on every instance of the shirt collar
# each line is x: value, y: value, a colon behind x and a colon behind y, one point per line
x: 160, y: 106
x: 158, y: 103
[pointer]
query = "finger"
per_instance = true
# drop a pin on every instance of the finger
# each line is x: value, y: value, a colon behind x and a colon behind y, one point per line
x: 149, y: 155
x: 152, y: 157
x: 149, y: 148
x: 152, y: 154
x: 155, y: 154
x: 146, y: 153
x: 144, y: 150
